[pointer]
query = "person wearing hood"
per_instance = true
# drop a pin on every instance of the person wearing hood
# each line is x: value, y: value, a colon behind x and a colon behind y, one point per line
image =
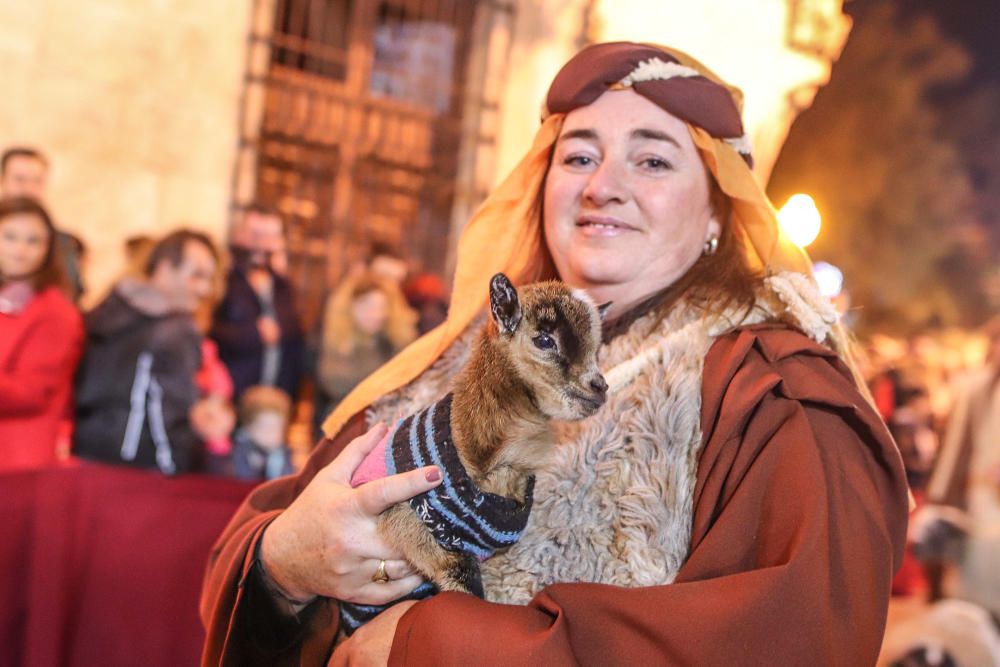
x: 256, y: 325
x: 41, y: 336
x: 136, y: 386
x: 736, y: 500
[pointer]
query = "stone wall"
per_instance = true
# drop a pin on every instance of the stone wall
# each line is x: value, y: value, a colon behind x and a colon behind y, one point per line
x: 136, y: 104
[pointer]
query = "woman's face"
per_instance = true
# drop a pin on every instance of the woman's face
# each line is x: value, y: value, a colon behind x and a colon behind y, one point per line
x: 627, y: 206
x: 24, y: 242
x: 370, y: 311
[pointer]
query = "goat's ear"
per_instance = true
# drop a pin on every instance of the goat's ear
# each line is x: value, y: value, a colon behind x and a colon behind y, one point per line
x: 603, y: 309
x: 504, y: 306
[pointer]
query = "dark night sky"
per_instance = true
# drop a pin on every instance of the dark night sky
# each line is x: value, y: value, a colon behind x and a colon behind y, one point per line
x: 973, y: 23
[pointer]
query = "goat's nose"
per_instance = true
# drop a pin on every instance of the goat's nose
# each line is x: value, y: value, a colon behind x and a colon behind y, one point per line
x: 599, y: 384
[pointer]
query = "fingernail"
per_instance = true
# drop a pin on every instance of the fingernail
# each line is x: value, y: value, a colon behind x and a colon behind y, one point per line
x: 433, y: 474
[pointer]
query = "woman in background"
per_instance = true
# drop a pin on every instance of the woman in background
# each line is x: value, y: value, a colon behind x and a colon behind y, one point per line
x: 363, y: 327
x: 41, y: 336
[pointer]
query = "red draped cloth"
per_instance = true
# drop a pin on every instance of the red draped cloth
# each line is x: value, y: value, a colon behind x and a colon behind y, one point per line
x: 103, y: 565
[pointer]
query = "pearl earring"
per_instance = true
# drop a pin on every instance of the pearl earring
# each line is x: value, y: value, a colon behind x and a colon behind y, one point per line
x: 711, y: 245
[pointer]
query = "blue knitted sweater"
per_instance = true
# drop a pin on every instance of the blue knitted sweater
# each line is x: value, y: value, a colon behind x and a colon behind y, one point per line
x: 460, y: 515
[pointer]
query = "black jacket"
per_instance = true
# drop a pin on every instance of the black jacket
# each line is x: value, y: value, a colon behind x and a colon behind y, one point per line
x: 136, y: 384
x: 234, y: 328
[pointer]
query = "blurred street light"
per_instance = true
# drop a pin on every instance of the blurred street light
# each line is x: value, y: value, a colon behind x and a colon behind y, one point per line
x: 799, y: 219
x: 829, y: 278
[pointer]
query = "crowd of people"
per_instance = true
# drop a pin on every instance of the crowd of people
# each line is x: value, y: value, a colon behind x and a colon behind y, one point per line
x: 939, y: 394
x: 196, y: 360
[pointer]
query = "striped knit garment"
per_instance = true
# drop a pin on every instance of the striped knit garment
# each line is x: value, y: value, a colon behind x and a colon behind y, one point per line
x: 460, y: 515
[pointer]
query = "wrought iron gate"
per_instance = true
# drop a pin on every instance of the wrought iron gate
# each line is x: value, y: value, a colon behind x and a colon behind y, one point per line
x: 369, y: 120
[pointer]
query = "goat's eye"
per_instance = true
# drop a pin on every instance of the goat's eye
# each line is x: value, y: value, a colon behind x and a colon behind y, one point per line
x: 544, y: 341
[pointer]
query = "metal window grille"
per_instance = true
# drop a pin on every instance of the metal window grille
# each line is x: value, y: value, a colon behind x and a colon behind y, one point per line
x: 369, y: 120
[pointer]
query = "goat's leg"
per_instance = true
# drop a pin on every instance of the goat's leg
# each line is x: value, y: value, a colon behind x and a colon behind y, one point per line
x: 448, y: 570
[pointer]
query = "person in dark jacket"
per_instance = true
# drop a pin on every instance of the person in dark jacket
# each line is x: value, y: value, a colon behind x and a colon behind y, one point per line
x: 136, y: 386
x: 256, y: 324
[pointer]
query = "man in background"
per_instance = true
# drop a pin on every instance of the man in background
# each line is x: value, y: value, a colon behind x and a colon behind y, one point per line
x: 256, y: 325
x: 136, y: 386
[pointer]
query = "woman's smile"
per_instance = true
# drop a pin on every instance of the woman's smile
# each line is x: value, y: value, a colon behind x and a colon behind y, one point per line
x: 594, y: 225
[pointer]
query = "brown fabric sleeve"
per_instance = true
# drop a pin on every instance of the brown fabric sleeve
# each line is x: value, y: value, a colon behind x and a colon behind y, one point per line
x: 232, y: 611
x: 799, y: 525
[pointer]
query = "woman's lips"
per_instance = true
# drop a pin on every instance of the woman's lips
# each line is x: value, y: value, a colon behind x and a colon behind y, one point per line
x: 594, y: 225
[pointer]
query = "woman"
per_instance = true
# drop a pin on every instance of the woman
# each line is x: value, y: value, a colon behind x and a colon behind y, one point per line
x: 41, y: 337
x: 737, y: 501
x: 364, y: 325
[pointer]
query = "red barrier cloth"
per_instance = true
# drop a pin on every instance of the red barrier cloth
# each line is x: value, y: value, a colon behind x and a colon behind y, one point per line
x: 102, y: 565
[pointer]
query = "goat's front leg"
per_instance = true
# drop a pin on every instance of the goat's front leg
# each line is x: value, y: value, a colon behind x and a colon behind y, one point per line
x: 448, y: 570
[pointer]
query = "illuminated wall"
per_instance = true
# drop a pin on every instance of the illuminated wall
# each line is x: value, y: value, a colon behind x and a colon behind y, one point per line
x: 136, y: 105
x: 778, y: 51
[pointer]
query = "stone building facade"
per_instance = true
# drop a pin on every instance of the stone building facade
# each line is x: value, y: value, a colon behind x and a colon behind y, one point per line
x: 357, y: 118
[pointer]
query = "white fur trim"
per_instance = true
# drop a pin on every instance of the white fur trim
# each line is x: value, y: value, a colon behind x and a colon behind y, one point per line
x: 741, y: 144
x: 656, y: 69
x: 810, y: 311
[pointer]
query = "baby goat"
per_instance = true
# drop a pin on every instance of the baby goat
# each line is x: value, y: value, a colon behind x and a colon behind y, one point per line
x: 535, y: 360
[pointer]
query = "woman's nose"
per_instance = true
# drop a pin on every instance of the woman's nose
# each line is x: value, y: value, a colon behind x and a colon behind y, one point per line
x: 606, y: 184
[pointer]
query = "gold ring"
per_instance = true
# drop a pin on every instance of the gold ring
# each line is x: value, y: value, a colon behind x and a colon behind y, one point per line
x: 380, y: 577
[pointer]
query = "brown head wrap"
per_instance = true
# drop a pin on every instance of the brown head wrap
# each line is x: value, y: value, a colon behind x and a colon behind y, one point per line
x: 505, y: 234
x: 678, y: 88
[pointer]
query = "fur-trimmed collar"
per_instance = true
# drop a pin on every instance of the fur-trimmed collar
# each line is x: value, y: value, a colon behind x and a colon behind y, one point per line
x: 614, y: 505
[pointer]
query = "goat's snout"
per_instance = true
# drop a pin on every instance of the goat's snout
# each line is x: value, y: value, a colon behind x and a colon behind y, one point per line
x: 599, y: 385
x: 597, y: 391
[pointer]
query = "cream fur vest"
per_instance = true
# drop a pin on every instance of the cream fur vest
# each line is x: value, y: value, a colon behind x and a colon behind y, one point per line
x: 614, y: 505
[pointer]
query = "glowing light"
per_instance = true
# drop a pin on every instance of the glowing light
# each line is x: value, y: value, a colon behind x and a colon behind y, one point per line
x: 829, y: 278
x: 800, y: 220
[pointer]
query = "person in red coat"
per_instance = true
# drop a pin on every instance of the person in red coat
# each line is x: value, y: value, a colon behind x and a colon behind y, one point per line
x: 41, y: 336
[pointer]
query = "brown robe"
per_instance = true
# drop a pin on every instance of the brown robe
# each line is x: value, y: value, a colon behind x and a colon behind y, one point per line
x: 799, y: 524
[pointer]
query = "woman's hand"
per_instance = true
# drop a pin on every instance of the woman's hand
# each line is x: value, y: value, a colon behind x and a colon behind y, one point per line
x: 326, y: 542
x: 371, y: 643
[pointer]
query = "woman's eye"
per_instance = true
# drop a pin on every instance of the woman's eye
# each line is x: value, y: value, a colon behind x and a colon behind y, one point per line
x: 656, y: 164
x: 544, y: 342
x: 578, y: 161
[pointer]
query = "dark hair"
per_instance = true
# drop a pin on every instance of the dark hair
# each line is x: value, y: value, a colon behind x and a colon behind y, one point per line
x: 79, y: 247
x: 51, y: 273
x: 171, y: 249
x: 20, y: 151
x: 383, y: 248
x: 261, y: 208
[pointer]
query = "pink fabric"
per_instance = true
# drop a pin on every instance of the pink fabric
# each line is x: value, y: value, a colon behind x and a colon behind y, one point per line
x: 213, y: 379
x: 373, y: 467
x: 213, y: 376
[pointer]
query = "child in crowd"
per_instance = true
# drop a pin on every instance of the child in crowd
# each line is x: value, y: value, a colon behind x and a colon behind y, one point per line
x: 260, y: 449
